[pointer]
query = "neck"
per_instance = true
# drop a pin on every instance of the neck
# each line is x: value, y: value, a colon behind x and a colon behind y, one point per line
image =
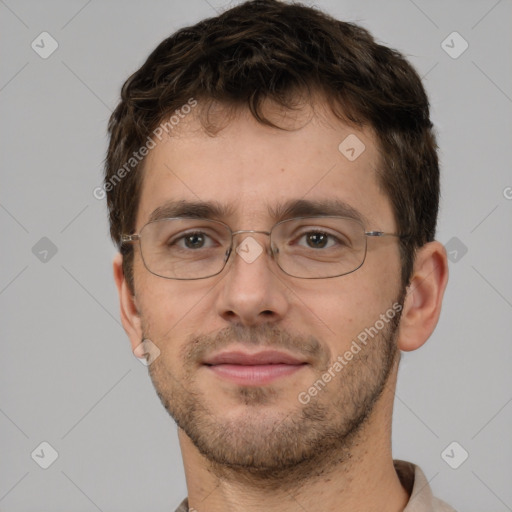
x: 357, y: 476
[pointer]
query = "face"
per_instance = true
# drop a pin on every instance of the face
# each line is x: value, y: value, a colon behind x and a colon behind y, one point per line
x: 242, y: 352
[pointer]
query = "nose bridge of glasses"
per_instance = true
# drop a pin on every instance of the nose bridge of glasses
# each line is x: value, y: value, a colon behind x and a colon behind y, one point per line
x: 250, y: 231
x: 254, y: 241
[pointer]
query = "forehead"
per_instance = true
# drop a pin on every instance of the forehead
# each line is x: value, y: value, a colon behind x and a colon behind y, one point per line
x: 255, y: 172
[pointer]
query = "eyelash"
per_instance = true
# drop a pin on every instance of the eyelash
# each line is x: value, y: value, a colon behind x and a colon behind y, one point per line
x: 300, y: 236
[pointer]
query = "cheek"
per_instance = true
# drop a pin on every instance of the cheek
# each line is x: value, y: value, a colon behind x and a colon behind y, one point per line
x: 379, y: 284
x: 170, y: 310
x: 347, y: 305
x: 333, y: 310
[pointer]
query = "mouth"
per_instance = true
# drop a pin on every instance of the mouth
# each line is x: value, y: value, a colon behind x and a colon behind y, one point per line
x: 254, y: 369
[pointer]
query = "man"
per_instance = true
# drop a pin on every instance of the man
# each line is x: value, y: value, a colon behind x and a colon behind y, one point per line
x: 273, y: 188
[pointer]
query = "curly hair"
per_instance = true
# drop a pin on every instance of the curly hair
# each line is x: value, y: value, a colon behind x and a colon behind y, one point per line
x: 270, y: 50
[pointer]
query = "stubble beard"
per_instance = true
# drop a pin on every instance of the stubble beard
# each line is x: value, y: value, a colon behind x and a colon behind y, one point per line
x: 280, y: 448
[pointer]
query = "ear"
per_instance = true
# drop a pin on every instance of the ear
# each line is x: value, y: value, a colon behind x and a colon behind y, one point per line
x: 422, y: 305
x: 130, y: 316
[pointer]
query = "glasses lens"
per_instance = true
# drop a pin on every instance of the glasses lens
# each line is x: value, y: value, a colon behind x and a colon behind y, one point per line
x: 319, y: 247
x: 308, y: 248
x: 184, y: 248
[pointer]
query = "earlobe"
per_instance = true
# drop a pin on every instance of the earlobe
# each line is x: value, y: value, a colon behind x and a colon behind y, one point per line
x: 422, y: 305
x: 130, y: 316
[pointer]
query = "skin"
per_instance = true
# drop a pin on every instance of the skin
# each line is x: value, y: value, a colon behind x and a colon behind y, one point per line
x: 249, y: 448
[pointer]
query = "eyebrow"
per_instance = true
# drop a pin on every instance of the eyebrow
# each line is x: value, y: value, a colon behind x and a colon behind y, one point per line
x: 287, y: 210
x: 191, y: 209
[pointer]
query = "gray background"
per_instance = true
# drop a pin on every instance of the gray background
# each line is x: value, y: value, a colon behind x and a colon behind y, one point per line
x: 68, y: 376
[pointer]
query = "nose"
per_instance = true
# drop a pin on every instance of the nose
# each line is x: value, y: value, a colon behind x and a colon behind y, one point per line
x: 252, y: 291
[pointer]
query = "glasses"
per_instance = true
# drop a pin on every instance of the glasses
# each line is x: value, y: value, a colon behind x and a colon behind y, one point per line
x: 317, y: 247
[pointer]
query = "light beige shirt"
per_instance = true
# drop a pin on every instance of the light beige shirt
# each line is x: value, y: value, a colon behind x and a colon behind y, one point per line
x: 412, y: 479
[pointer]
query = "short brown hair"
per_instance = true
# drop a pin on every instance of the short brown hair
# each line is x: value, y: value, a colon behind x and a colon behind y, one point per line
x: 267, y: 49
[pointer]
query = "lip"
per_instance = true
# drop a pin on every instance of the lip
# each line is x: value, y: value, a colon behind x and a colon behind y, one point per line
x: 265, y: 357
x: 254, y: 369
